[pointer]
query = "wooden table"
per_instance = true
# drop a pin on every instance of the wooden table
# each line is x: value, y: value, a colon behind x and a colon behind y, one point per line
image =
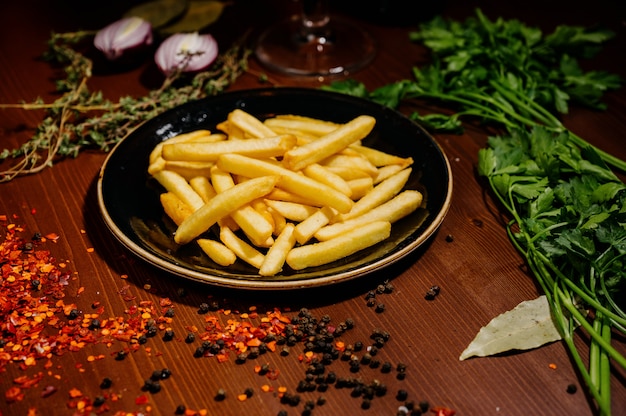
x: 479, y: 272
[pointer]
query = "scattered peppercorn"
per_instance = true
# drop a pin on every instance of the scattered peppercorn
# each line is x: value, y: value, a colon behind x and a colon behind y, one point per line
x: 203, y: 308
x: 432, y: 292
x: 386, y: 367
x: 571, y: 388
x: 106, y: 383
x: 180, y: 409
x: 98, y: 401
x: 449, y: 238
x: 120, y: 355
x: 191, y: 337
x: 169, y: 313
x: 380, y: 307
x: 401, y: 395
x: 220, y: 395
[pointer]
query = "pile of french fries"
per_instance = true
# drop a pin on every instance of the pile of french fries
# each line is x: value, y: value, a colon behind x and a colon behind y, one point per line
x: 288, y: 190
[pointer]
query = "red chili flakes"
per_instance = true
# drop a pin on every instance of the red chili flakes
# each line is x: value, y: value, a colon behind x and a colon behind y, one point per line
x: 13, y: 394
x: 140, y: 400
x: 442, y: 411
x: 53, y: 237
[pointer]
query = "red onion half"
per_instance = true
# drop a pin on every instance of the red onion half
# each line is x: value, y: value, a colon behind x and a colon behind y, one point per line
x: 186, y: 52
x: 122, y: 35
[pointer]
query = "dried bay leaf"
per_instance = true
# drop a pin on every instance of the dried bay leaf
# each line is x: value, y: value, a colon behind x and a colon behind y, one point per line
x: 159, y: 12
x: 528, y: 325
x: 199, y: 14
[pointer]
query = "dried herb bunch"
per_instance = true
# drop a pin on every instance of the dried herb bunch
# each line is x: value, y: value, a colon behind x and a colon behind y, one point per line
x: 82, y: 119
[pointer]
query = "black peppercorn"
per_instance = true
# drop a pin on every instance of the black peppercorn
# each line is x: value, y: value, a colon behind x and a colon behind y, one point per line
x: 402, y: 395
x: 220, y: 395
x: 98, y: 401
x: 106, y: 383
x: 168, y: 335
x: 386, y: 367
x: 191, y: 337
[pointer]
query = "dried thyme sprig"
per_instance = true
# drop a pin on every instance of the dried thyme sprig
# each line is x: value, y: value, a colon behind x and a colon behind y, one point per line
x: 82, y: 119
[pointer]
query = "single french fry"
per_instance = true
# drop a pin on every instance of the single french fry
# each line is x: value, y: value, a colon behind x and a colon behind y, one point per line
x: 277, y: 253
x: 179, y: 138
x: 325, y: 176
x: 289, y: 180
x: 308, y: 227
x: 278, y: 194
x: 222, y: 205
x: 251, y: 222
x: 279, y: 220
x: 380, y: 194
x: 209, y: 138
x: 209, y: 152
x: 232, y: 132
x: 356, y: 239
x: 243, y: 250
x: 203, y: 187
x: 385, y: 172
x: 261, y: 207
x: 174, y: 207
x: 329, y: 144
x: 156, y: 165
x: 217, y: 251
x: 398, y: 207
x: 306, y: 125
x: 292, y: 210
x: 250, y: 125
x: 173, y: 182
x: 348, y: 173
x: 188, y: 169
x: 357, y: 162
x: 380, y: 158
x: 302, y: 137
x: 360, y: 187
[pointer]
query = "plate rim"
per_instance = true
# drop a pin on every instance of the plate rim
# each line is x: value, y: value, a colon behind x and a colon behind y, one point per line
x: 290, y: 284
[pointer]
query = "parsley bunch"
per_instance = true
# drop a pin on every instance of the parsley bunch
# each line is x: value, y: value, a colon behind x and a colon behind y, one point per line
x: 567, y: 206
x: 568, y: 213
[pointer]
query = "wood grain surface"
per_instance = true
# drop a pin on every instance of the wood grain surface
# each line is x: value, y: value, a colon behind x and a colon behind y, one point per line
x: 470, y: 258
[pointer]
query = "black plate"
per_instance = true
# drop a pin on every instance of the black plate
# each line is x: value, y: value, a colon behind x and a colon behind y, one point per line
x: 129, y: 198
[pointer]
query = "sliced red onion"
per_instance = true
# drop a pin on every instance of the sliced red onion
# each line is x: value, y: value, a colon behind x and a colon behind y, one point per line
x: 122, y: 35
x: 186, y: 52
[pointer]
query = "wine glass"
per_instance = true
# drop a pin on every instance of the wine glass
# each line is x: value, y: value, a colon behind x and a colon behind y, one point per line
x: 314, y: 44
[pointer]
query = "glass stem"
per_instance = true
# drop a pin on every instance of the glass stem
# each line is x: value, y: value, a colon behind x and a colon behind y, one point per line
x: 315, y: 19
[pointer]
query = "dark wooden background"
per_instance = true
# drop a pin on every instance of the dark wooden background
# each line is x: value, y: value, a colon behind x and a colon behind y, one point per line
x: 479, y: 272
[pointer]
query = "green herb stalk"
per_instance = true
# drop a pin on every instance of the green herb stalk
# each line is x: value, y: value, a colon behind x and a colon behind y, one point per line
x: 81, y: 119
x: 567, y: 206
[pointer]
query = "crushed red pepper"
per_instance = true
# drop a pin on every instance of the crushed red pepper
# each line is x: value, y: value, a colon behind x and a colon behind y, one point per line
x: 37, y: 324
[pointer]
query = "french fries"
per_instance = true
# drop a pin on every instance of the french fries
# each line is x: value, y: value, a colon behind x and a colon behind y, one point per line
x: 289, y: 191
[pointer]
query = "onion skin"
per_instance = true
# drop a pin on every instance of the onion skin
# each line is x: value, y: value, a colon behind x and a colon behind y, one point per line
x: 186, y: 52
x: 123, y: 35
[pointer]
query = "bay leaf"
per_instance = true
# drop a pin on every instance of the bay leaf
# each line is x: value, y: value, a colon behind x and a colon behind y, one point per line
x: 529, y: 325
x: 199, y: 14
x: 159, y: 12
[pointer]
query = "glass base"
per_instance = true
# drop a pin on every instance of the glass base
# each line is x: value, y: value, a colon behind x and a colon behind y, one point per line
x: 342, y: 48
